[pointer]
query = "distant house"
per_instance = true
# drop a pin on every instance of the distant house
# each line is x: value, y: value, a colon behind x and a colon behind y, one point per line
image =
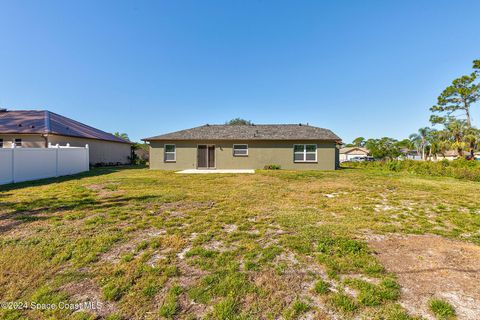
x: 452, y: 155
x: 38, y: 129
x: 348, y: 153
x: 409, y: 154
x: 292, y: 146
x: 448, y: 155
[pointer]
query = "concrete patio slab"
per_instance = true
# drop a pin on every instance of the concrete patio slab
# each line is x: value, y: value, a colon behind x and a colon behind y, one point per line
x: 217, y: 171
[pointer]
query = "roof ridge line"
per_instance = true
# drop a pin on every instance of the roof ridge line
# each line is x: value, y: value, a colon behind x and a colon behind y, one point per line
x: 257, y: 124
x: 47, y: 122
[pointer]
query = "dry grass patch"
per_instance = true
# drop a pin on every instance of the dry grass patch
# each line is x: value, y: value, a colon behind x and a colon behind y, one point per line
x: 284, y: 244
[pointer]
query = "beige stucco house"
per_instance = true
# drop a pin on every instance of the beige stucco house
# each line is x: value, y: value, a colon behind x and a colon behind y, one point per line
x: 448, y: 155
x: 292, y: 146
x: 38, y: 129
x: 348, y: 153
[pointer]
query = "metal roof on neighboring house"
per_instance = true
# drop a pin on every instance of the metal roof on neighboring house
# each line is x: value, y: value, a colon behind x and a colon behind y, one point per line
x: 251, y: 132
x: 46, y: 122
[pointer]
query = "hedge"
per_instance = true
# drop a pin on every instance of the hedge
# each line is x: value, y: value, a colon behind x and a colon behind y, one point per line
x: 460, y: 169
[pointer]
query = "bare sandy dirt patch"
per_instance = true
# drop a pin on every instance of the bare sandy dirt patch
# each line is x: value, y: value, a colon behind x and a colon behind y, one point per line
x: 114, y: 254
x: 105, y: 190
x: 430, y: 266
x: 295, y: 282
x: 182, y: 206
x: 87, y: 291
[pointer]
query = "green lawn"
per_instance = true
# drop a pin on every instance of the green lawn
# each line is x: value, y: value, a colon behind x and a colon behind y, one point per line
x: 152, y: 244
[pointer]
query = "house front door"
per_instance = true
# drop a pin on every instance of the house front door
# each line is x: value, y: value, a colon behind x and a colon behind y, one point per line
x: 205, y: 156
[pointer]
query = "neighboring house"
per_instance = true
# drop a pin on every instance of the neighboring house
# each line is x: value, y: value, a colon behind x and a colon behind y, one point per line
x: 348, y: 153
x: 449, y: 155
x: 36, y: 129
x: 292, y: 146
x: 409, y: 154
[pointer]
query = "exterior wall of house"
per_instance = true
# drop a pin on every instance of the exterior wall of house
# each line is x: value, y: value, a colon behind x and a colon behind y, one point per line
x: 100, y: 151
x: 440, y: 158
x: 260, y: 153
x: 352, y: 154
x: 28, y: 140
x: 337, y: 157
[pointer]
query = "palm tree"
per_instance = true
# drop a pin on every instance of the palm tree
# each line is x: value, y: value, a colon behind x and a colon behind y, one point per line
x: 456, y: 128
x: 434, y: 144
x: 415, y: 142
x: 471, y: 138
x: 124, y: 136
x: 420, y: 140
x: 443, y: 141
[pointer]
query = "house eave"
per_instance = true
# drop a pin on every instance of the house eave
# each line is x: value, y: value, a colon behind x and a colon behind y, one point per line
x: 43, y: 134
x: 237, y: 139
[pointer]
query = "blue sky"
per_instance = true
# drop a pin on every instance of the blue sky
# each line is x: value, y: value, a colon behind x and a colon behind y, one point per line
x: 360, y: 68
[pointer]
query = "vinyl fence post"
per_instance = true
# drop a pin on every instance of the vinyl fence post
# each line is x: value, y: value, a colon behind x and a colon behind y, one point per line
x: 87, y: 158
x: 13, y: 162
x: 56, y: 159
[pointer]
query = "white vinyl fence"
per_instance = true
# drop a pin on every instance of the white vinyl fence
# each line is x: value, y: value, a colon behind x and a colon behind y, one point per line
x: 25, y: 164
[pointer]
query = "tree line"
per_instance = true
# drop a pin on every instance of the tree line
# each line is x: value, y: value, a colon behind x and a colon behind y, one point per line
x: 452, y: 127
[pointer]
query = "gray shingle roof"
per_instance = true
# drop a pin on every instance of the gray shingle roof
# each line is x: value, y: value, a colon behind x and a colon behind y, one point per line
x: 46, y: 122
x: 251, y: 132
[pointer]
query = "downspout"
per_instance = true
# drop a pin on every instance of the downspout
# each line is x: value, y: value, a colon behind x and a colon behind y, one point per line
x: 45, y: 136
x: 47, y: 129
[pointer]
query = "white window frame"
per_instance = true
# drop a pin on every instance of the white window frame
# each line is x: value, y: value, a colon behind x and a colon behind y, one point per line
x: 165, y: 152
x: 240, y: 155
x: 16, y: 141
x: 304, y: 152
x: 1, y: 143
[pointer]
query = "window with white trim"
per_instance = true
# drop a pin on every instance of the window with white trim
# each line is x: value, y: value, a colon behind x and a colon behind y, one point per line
x: 240, y: 150
x: 170, y: 153
x: 1, y: 143
x: 305, y: 153
x: 18, y: 143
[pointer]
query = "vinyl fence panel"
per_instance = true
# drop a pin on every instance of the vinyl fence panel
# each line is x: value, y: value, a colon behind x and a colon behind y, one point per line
x: 25, y: 164
x: 72, y: 161
x: 34, y: 163
x: 6, y: 166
